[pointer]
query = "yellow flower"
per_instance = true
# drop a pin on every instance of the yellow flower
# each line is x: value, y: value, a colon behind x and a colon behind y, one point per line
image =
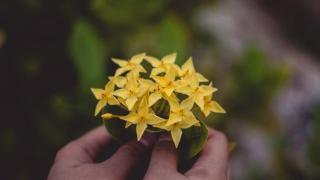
x: 167, y: 82
x: 211, y: 106
x: 132, y: 92
x: 163, y: 65
x: 196, y: 92
x: 154, y: 91
x: 119, y: 81
x: 188, y: 71
x: 175, y: 130
x: 134, y: 64
x: 181, y: 112
x: 141, y: 116
x: 104, y: 96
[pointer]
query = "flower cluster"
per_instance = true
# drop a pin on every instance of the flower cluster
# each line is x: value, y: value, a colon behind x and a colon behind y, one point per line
x: 163, y: 98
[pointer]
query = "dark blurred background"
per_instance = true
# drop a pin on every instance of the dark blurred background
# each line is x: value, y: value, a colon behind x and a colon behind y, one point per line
x: 262, y: 55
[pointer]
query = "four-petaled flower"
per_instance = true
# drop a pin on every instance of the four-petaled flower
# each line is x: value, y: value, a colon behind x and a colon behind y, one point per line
x: 141, y: 116
x: 132, y: 91
x: 104, y: 96
x: 133, y: 65
x: 163, y: 65
x: 167, y: 82
x: 211, y: 106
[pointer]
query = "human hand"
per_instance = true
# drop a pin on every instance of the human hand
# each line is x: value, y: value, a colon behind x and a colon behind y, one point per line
x: 211, y: 165
x: 77, y: 159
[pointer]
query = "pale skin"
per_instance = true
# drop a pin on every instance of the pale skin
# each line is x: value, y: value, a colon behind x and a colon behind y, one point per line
x: 76, y: 160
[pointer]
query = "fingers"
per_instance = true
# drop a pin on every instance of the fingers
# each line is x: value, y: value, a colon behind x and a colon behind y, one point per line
x: 86, y: 148
x: 212, y: 163
x: 164, y: 160
x: 128, y: 155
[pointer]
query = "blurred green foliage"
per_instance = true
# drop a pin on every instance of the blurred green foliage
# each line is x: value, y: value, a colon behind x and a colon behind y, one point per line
x: 89, y: 54
x: 314, y: 146
x: 126, y: 13
x: 256, y: 79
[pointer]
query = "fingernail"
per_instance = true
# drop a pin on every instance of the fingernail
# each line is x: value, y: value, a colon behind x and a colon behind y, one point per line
x: 148, y: 139
x: 165, y: 137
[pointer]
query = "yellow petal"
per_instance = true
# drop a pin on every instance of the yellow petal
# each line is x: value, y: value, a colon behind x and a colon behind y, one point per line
x: 201, y: 78
x: 120, y: 81
x: 143, y: 109
x: 132, y: 82
x: 174, y: 103
x: 171, y: 75
x: 121, y: 70
x: 146, y: 82
x: 97, y: 92
x: 168, y: 90
x: 154, y: 119
x: 207, y: 90
x: 142, y: 91
x: 123, y: 93
x: 156, y: 71
x: 139, y: 68
x: 160, y: 80
x: 122, y: 101
x: 153, y: 61
x: 208, y: 98
x: 128, y: 124
x: 176, y: 136
x: 173, y: 118
x: 188, y: 66
x: 112, y: 100
x: 194, y: 82
x: 215, y: 107
x: 101, y: 104
x: 184, y: 90
x: 120, y: 62
x: 131, y: 101
x: 190, y: 118
x: 141, y: 127
x: 132, y: 118
x: 109, y: 87
x: 206, y: 111
x: 154, y: 97
x: 138, y: 58
x: 187, y: 103
x: 199, y: 100
x: 169, y: 59
x: 162, y: 125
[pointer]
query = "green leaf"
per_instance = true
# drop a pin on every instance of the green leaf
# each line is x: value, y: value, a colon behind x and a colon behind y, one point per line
x: 173, y: 38
x: 117, y: 130
x: 126, y: 13
x: 193, y: 141
x: 88, y: 53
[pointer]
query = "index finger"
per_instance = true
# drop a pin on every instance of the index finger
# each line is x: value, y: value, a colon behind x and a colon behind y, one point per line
x: 86, y: 148
x: 213, y: 161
